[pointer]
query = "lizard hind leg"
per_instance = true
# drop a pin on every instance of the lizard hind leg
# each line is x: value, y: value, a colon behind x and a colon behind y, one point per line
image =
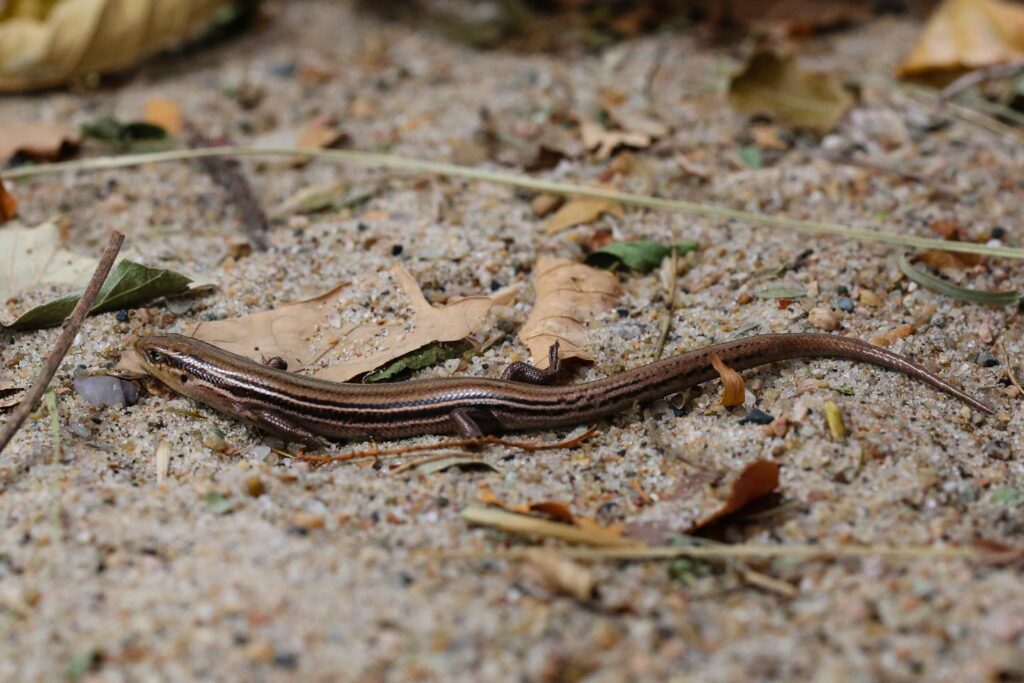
x: 531, y: 374
x: 275, y: 423
x: 473, y: 423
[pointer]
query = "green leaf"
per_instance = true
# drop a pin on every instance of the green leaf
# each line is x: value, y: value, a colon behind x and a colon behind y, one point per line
x: 217, y: 503
x: 1008, y: 496
x: 130, y: 136
x: 129, y: 284
x: 974, y: 296
x: 423, y: 357
x: 751, y: 157
x: 639, y: 255
x: 779, y: 290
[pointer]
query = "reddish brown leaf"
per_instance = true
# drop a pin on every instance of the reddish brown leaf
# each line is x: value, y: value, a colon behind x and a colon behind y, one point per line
x: 733, y: 391
x: 8, y: 204
x: 756, y: 481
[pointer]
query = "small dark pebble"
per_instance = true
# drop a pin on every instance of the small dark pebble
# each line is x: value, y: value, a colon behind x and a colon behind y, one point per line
x: 757, y: 417
x: 297, y: 531
x: 845, y: 303
x: 496, y: 285
x: 397, y: 249
x: 240, y: 638
x: 362, y: 227
x: 375, y: 516
x: 986, y: 359
x: 843, y: 290
x: 406, y: 579
x: 286, y: 660
x: 998, y: 233
x: 122, y: 316
x: 286, y: 70
x: 998, y: 449
x: 442, y: 502
x: 623, y: 312
x: 621, y: 452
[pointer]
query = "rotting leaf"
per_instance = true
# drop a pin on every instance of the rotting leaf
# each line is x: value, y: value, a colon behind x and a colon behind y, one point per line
x: 967, y: 34
x: 733, y: 391
x: 305, y: 332
x: 128, y: 285
x: 639, y: 255
x: 561, y: 574
x: 579, y: 211
x: 428, y: 356
x: 779, y: 290
x: 774, y: 85
x: 569, y: 295
x: 81, y: 37
x: 36, y: 141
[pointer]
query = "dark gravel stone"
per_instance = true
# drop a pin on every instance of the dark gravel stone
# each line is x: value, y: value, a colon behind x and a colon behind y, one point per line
x: 845, y: 303
x: 986, y: 359
x: 757, y: 417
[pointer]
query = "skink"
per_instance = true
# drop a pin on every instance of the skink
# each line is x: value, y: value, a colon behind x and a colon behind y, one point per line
x: 307, y: 409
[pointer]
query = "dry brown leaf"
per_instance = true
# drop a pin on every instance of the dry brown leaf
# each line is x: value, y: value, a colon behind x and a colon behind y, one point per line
x: 305, y: 332
x: 559, y: 574
x: 889, y: 338
x: 636, y: 122
x: 967, y: 34
x: 948, y: 259
x: 733, y: 391
x: 579, y: 211
x: 569, y: 294
x: 8, y: 204
x: 775, y: 85
x: 757, y: 480
x: 82, y: 37
x: 604, y: 142
x: 535, y: 526
x: 165, y: 113
x: 41, y: 141
x: 560, y: 512
x: 319, y: 132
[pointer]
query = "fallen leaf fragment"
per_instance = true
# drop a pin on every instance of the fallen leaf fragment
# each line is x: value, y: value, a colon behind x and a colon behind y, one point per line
x: 38, y: 141
x: 757, y: 480
x: 948, y: 259
x: 164, y: 113
x: 892, y: 336
x: 603, y: 142
x: 642, y: 256
x: 580, y: 211
x: 534, y: 526
x: 569, y: 295
x: 967, y: 34
x: 560, y: 574
x: 733, y: 391
x: 34, y: 256
x: 305, y: 332
x: 320, y: 133
x: 80, y: 37
x: 8, y: 204
x: 775, y: 85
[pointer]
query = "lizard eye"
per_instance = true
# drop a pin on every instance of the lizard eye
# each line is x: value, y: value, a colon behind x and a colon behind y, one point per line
x: 155, y: 356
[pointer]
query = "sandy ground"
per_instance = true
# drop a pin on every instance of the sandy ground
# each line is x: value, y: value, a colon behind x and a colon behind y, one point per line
x: 328, y: 575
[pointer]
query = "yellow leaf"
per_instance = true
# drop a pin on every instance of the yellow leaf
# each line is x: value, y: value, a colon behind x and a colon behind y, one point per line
x: 310, y: 331
x: 580, y: 211
x: 733, y: 391
x: 835, y: 421
x: 569, y: 294
x: 81, y: 37
x: 770, y: 84
x: 967, y: 34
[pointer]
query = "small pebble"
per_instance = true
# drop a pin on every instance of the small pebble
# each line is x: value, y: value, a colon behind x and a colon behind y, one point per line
x: 103, y: 390
x: 757, y: 417
x: 869, y: 298
x: 286, y: 660
x: 80, y: 429
x: 122, y: 316
x: 214, y: 440
x: 397, y: 249
x: 823, y: 318
x: 845, y: 303
x: 998, y: 449
x: 259, y: 452
x: 255, y: 487
x: 986, y: 359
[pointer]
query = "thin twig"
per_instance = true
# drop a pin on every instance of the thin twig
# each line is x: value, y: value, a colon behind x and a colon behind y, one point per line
x: 374, y: 452
x: 72, y: 324
x: 979, y: 76
x: 1009, y: 369
x: 372, y: 159
x: 228, y: 174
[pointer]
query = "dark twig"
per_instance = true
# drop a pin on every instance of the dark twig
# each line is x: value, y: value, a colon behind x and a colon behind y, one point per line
x: 228, y: 174
x: 72, y: 324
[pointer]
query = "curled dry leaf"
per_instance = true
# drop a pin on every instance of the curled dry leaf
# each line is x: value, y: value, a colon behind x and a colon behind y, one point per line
x: 580, y: 211
x: 604, y: 142
x: 967, y: 34
x: 757, y: 480
x: 938, y: 260
x: 81, y: 37
x: 569, y: 294
x: 892, y: 336
x: 165, y: 113
x: 40, y: 141
x: 560, y: 574
x: 305, y: 332
x: 319, y: 132
x: 775, y: 85
x: 8, y: 204
x: 34, y: 257
x: 733, y: 391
